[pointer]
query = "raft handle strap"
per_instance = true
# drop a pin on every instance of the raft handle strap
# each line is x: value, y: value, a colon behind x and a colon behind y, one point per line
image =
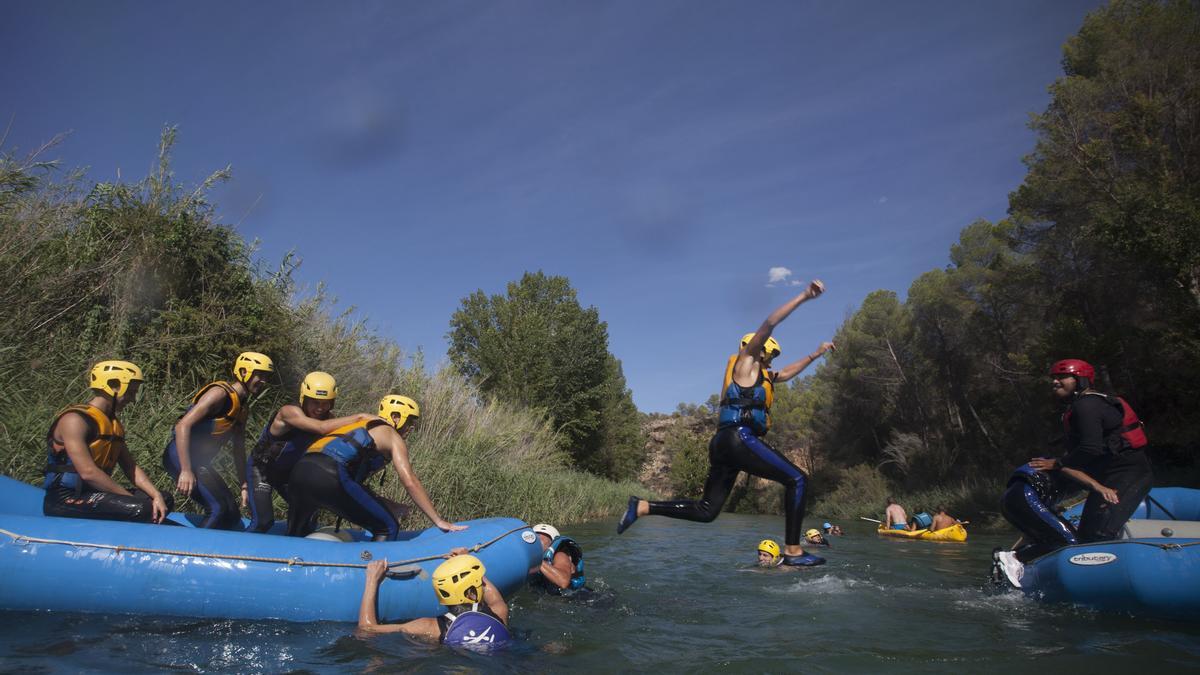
x: 1155, y: 502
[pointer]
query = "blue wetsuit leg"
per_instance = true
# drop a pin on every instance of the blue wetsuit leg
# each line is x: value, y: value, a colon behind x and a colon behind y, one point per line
x: 220, y: 507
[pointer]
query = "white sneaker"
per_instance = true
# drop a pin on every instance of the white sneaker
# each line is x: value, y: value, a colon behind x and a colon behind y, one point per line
x: 1013, y: 569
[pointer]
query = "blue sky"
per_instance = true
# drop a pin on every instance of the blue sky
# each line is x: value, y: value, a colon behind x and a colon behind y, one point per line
x: 664, y: 156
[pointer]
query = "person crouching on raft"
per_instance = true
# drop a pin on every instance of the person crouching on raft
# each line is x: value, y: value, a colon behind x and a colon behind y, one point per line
x: 1105, y: 442
x: 476, y: 613
x: 216, y: 416
x: 561, y: 566
x: 86, y: 442
x: 285, y: 439
x: 743, y: 419
x: 333, y: 472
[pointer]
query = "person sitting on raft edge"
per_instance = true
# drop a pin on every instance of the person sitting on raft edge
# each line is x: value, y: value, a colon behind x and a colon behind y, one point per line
x: 743, y: 418
x: 561, y: 566
x: 894, y: 517
x: 942, y: 520
x: 476, y: 613
x: 86, y: 442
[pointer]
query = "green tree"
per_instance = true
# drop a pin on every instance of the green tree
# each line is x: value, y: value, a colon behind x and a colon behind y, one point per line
x: 537, y: 346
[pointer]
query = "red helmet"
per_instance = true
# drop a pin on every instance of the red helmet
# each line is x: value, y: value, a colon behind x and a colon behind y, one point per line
x: 1074, y: 367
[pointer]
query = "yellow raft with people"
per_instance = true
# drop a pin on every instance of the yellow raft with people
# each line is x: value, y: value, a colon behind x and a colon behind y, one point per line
x: 955, y: 532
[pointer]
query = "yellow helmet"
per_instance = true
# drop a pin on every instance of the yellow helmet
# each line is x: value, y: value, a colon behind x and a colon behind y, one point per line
x: 771, y: 347
x: 812, y: 533
x: 318, y: 385
x: 769, y: 546
x: 454, y: 577
x: 402, y: 405
x: 121, y: 371
x: 250, y: 362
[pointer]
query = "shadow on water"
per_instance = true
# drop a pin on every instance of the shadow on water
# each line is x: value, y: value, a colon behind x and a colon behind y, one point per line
x: 671, y: 596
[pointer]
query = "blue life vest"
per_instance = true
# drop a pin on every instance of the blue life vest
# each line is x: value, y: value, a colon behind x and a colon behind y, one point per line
x: 575, y: 553
x: 923, y: 520
x: 353, y: 448
x: 746, y: 406
x: 476, y: 630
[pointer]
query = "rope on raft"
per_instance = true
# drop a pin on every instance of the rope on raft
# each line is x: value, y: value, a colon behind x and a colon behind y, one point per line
x: 291, y: 562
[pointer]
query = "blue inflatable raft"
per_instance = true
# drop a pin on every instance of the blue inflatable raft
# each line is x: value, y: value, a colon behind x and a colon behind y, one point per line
x: 67, y: 564
x: 1152, y: 570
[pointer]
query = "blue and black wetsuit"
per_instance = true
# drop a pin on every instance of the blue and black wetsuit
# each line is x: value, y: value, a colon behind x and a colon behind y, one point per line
x: 207, y: 437
x: 1029, y: 504
x: 331, y: 475
x: 738, y: 446
x: 268, y: 468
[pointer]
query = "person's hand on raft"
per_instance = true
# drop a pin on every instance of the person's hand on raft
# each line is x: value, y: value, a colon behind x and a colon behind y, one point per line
x: 1043, y: 463
x: 159, y: 507
x: 457, y: 550
x: 376, y: 570
x: 445, y: 526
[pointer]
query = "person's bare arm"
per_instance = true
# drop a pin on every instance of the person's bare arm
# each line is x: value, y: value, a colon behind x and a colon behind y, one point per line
x: 795, y: 368
x: 210, y: 403
x: 559, y: 570
x: 294, y: 417
x: 142, y: 482
x: 743, y: 370
x: 73, y: 432
x: 368, y: 619
x: 1109, y: 494
x: 495, y: 601
x: 399, y: 449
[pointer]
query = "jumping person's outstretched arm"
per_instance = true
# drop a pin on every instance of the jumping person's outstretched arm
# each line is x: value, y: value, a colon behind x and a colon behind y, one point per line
x: 796, y: 367
x: 745, y: 370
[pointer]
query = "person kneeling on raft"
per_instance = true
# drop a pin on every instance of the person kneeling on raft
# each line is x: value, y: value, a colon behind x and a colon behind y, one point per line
x: 561, y: 566
x: 285, y: 439
x: 333, y: 473
x: 476, y: 614
x: 86, y: 442
x: 743, y: 419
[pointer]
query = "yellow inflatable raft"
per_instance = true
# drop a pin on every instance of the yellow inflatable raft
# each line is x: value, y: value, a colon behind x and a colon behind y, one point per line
x: 955, y: 532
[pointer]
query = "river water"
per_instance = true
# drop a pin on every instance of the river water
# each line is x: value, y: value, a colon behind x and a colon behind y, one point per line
x: 673, y: 596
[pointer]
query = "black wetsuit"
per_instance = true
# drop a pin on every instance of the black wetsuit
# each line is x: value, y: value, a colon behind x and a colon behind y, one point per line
x: 732, y: 450
x: 319, y: 481
x: 1095, y: 448
x: 84, y: 502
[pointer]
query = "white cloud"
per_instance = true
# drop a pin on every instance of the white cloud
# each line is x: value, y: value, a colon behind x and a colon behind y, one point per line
x: 883, y: 199
x: 778, y: 276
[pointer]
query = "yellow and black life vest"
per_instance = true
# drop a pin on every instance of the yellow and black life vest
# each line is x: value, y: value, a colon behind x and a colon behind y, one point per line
x: 105, y: 433
x: 235, y: 415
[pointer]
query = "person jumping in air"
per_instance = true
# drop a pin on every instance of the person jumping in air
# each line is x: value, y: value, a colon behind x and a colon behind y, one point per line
x: 743, y: 419
x: 217, y: 415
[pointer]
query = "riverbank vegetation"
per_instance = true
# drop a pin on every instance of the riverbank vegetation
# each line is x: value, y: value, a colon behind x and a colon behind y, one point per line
x: 142, y: 271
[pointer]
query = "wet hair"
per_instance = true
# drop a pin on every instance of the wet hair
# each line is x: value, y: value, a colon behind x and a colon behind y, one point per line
x: 891, y: 500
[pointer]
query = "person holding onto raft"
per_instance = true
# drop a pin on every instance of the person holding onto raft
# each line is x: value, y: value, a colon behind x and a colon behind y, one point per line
x: 333, y: 473
x: 476, y: 613
x: 1105, y: 443
x: 216, y: 416
x: 743, y: 419
x: 561, y: 566
x: 284, y: 441
x: 86, y: 442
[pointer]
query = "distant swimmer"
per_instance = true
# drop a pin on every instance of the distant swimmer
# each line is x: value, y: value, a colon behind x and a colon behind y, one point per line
x: 894, y: 517
x: 86, y: 442
x: 814, y: 537
x: 743, y: 419
x: 476, y: 614
x: 216, y: 416
x: 561, y: 566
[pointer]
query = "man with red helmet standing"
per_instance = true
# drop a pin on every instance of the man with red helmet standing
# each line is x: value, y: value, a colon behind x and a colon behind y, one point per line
x: 1105, y: 453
